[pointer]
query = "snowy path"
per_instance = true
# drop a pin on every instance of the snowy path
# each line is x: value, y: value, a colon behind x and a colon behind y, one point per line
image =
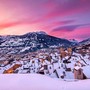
x: 39, y: 82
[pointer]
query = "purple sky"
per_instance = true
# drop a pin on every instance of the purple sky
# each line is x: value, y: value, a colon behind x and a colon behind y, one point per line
x: 62, y: 18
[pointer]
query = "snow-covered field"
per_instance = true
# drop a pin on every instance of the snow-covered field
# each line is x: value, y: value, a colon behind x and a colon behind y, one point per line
x: 39, y: 82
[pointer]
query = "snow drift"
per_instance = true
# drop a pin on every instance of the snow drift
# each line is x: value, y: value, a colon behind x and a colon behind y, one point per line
x: 39, y: 82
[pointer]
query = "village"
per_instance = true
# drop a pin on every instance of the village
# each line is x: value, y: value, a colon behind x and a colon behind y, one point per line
x: 61, y: 63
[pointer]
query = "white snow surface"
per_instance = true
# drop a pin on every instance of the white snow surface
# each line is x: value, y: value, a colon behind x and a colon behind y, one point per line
x: 39, y: 82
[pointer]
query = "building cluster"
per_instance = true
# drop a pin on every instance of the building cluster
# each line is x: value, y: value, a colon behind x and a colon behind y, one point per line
x: 57, y: 63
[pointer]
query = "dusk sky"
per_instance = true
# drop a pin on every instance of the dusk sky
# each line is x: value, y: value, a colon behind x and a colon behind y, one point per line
x: 68, y: 19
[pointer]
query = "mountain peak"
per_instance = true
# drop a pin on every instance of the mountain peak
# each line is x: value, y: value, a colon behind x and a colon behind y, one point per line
x: 38, y: 32
x: 73, y: 40
x: 41, y: 32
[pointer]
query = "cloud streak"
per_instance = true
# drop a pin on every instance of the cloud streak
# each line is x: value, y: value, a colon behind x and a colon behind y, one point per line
x: 68, y: 28
x: 79, y: 32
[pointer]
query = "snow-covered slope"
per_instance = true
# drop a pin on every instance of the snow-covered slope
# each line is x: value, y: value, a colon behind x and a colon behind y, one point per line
x: 34, y: 40
x: 85, y: 42
x: 74, y: 42
x: 39, y: 82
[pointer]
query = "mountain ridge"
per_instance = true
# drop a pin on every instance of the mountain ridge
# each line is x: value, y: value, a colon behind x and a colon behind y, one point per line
x: 33, y: 41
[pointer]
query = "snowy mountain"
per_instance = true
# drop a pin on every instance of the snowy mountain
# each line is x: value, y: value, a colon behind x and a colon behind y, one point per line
x: 85, y: 42
x: 32, y: 41
x: 74, y: 42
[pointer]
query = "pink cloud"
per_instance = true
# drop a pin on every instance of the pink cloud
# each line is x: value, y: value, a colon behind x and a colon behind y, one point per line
x: 64, y: 8
x: 56, y: 24
x: 10, y: 24
x: 15, y: 23
x: 79, y: 33
x: 62, y: 14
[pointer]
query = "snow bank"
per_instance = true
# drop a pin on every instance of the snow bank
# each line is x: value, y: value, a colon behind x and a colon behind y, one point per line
x: 39, y: 82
